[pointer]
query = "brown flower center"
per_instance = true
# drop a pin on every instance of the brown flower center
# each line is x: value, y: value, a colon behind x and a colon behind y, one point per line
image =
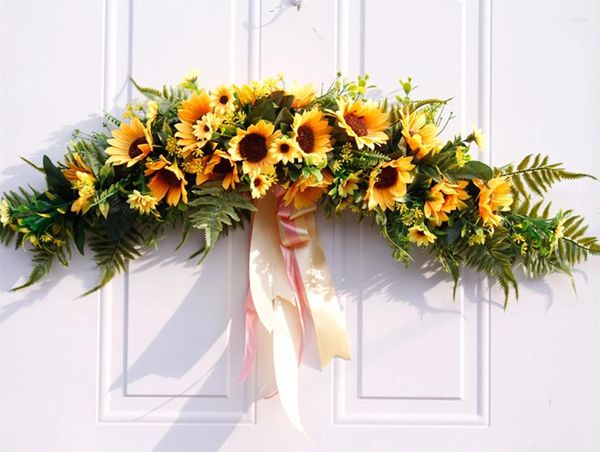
x: 284, y: 148
x: 257, y: 182
x: 223, y: 99
x: 253, y: 147
x: 306, y: 139
x: 387, y: 177
x: 134, y: 149
x: 223, y: 167
x: 357, y: 124
x: 169, y: 178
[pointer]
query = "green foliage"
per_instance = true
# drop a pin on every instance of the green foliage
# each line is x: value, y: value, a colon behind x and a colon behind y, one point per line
x: 535, y: 173
x: 217, y: 211
x: 42, y: 264
x: 113, y: 254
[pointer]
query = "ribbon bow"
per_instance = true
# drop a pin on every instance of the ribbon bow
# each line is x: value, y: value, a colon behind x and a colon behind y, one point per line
x: 289, y: 283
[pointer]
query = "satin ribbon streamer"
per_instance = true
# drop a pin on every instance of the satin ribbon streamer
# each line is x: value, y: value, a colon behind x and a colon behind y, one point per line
x: 289, y: 284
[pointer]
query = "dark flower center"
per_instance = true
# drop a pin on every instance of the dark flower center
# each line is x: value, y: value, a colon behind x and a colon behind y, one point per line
x: 387, y: 177
x: 169, y: 178
x: 134, y: 149
x: 253, y: 147
x: 223, y: 100
x: 257, y: 182
x: 284, y: 148
x: 223, y: 167
x: 306, y: 139
x: 358, y: 124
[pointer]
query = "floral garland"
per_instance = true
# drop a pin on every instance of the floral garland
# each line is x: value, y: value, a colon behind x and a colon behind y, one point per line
x: 207, y: 159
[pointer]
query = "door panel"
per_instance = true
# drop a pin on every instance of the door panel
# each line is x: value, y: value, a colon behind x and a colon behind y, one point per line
x: 151, y: 363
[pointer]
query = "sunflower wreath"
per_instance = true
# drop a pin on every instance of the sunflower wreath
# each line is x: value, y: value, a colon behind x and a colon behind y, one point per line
x: 268, y: 153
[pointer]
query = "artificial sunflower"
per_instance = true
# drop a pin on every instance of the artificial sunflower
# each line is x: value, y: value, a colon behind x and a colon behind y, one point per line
x: 387, y: 183
x: 130, y: 144
x: 218, y: 165
x: 312, y: 132
x: 222, y: 99
x: 303, y: 95
x: 260, y: 183
x: 443, y: 198
x: 363, y: 121
x: 167, y: 180
x: 5, y: 212
x: 420, y: 136
x: 480, y: 139
x: 79, y: 174
x: 306, y: 191
x: 251, y: 147
x: 348, y: 185
x: 191, y: 111
x: 421, y: 235
x: 495, y: 195
x: 205, y: 127
x: 285, y: 149
x: 143, y: 203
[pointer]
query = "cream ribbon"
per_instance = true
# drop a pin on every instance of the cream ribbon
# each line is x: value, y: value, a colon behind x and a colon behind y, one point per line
x: 290, y: 281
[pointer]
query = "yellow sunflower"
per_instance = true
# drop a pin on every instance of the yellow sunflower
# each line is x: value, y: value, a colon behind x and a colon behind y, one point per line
x: 480, y: 139
x: 421, y: 235
x: 260, y: 183
x: 222, y: 99
x: 130, y: 144
x: 217, y: 166
x: 167, y: 180
x: 312, y: 132
x: 285, y: 149
x: 348, y: 185
x: 307, y: 191
x: 191, y: 111
x: 303, y: 94
x: 443, y: 198
x: 364, y: 122
x: 420, y: 137
x: 251, y: 147
x: 494, y: 196
x: 246, y: 94
x: 387, y: 183
x: 144, y: 204
x: 205, y: 127
x: 79, y: 174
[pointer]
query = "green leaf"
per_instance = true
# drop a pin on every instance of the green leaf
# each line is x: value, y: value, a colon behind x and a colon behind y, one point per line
x: 474, y: 170
x: 56, y: 181
x: 79, y: 234
x: 42, y: 261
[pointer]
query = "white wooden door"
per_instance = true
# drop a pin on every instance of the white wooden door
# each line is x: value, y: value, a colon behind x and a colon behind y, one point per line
x: 146, y: 364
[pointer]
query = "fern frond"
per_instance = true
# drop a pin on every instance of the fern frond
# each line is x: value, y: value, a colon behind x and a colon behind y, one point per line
x: 146, y: 91
x: 537, y: 174
x: 113, y: 255
x: 218, y: 210
x: 42, y: 264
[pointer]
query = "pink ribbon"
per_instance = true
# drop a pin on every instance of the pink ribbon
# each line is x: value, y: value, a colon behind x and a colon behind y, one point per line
x: 291, y: 235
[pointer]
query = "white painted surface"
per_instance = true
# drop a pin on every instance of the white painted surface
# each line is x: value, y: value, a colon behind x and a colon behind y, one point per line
x: 147, y: 366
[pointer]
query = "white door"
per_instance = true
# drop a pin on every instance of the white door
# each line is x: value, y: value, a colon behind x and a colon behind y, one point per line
x: 146, y: 364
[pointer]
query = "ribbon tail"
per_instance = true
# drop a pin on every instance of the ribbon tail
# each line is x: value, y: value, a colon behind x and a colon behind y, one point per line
x: 286, y: 350
x: 250, y: 342
x: 323, y: 304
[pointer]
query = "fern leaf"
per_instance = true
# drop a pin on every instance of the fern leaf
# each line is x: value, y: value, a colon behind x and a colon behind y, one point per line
x: 113, y: 255
x: 218, y: 210
x: 42, y: 263
x: 537, y: 174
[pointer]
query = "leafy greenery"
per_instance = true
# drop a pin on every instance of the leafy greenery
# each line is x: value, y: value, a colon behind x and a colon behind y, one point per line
x: 218, y: 211
x: 116, y: 192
